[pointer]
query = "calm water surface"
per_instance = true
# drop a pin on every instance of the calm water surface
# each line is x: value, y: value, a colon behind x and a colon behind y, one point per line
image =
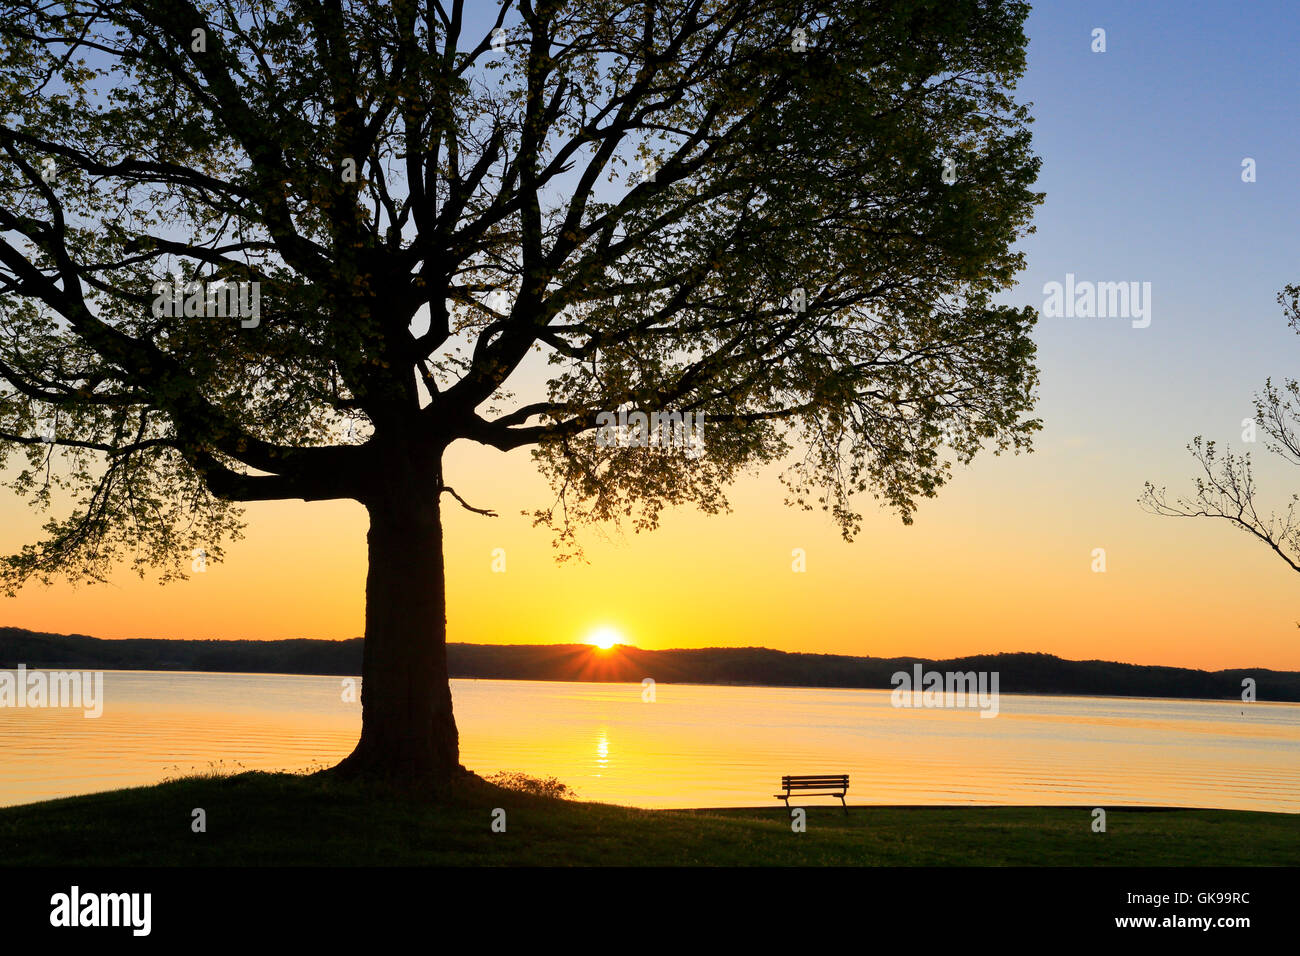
x: 695, y: 746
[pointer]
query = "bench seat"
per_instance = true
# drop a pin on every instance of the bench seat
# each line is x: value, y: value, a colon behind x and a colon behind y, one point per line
x: 815, y: 785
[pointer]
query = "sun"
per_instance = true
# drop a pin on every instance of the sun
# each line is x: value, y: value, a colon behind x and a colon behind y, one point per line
x: 605, y: 638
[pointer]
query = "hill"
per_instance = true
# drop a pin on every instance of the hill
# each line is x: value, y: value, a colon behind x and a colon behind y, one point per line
x: 1019, y: 673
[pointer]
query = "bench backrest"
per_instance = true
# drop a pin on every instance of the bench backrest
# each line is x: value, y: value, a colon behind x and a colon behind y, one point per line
x: 820, y: 781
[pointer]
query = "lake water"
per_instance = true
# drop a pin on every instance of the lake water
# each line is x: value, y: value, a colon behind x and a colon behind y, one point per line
x: 694, y: 746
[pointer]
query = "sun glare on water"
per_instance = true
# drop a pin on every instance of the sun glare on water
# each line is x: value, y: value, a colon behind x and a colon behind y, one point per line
x: 605, y: 638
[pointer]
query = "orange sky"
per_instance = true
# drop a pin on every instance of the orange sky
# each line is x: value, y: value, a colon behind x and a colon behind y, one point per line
x: 1001, y: 561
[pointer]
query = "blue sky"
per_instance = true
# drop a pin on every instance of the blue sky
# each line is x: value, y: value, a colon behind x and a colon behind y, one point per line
x: 1142, y: 148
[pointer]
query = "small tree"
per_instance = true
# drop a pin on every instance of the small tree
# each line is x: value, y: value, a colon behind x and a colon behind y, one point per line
x: 1227, y: 489
x: 788, y: 217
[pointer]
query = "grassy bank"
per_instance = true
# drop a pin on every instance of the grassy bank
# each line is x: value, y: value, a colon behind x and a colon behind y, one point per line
x: 258, y: 818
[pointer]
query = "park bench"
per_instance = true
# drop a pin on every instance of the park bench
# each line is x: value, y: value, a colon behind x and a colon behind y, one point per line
x: 826, y: 785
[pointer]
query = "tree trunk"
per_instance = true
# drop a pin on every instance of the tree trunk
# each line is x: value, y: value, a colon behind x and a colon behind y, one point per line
x: 408, y: 733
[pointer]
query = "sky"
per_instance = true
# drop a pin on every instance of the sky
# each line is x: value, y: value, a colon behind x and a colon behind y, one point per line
x: 1142, y: 149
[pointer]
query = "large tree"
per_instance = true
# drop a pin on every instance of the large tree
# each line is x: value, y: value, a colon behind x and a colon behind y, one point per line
x: 791, y: 217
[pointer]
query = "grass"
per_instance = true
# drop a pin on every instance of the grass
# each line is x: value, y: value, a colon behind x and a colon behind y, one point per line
x: 287, y: 819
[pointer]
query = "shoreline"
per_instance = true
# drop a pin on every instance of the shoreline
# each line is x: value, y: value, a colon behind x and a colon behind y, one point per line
x: 633, y: 683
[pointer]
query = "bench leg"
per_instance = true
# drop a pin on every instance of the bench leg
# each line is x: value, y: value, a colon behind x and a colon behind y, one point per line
x: 846, y: 806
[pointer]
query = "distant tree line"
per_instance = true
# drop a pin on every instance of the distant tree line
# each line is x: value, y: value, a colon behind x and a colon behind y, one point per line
x: 1020, y: 673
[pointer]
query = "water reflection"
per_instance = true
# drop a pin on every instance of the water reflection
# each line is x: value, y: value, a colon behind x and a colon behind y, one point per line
x: 693, y: 745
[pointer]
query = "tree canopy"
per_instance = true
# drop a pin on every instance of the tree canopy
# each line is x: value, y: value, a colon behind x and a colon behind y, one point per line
x: 423, y: 207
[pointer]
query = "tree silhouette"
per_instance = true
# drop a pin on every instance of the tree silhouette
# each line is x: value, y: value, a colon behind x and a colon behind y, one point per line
x: 1227, y: 490
x: 266, y: 250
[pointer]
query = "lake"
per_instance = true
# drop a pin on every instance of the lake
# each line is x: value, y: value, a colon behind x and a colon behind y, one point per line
x: 693, y: 746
